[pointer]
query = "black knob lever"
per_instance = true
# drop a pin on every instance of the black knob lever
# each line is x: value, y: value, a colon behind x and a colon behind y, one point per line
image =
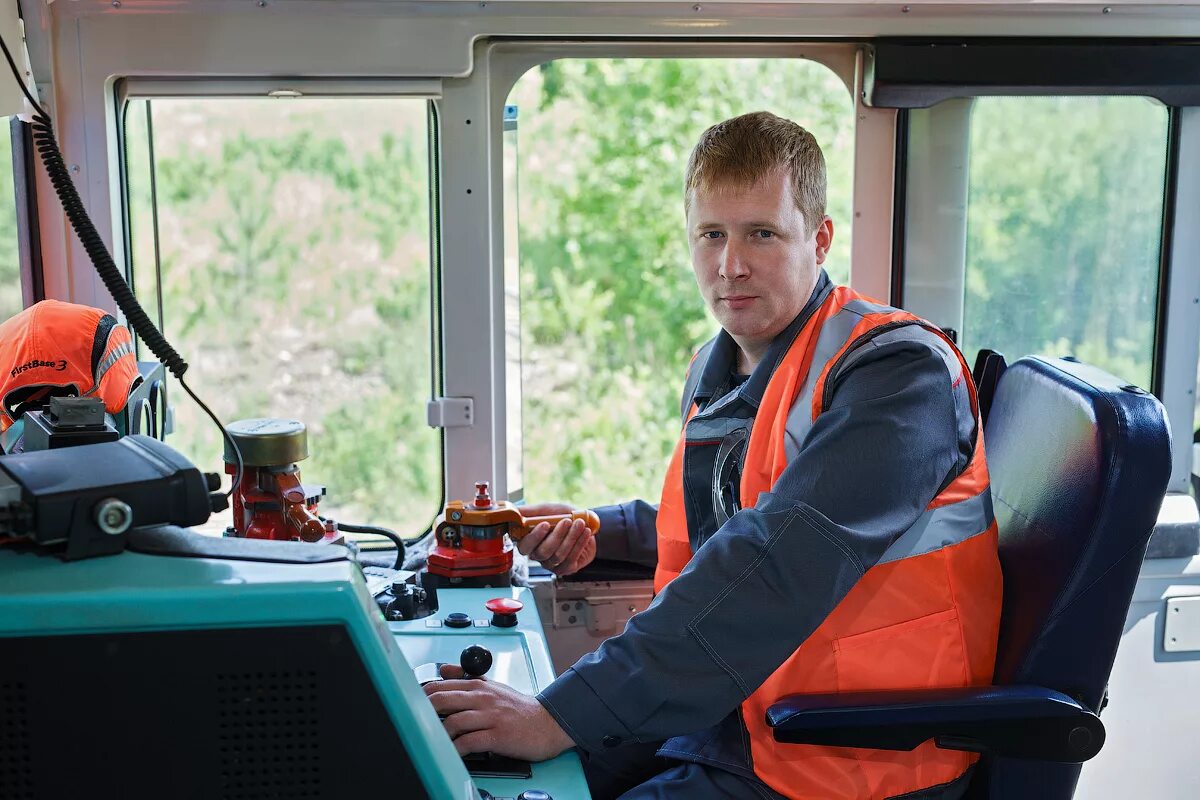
x: 475, y: 660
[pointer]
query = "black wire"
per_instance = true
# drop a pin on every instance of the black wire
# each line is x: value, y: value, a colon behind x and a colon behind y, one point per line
x: 102, y: 260
x: 237, y: 451
x: 387, y: 533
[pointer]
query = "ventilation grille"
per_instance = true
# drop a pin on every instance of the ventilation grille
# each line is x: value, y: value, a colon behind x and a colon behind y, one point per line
x: 268, y: 735
x: 16, y: 768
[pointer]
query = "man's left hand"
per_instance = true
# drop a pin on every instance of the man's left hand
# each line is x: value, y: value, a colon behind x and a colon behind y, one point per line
x: 482, y: 715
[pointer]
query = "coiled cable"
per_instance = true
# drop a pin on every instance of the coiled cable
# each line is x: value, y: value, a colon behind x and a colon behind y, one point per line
x: 68, y: 196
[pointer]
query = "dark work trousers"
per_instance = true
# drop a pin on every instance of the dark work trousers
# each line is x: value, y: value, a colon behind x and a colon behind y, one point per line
x: 634, y: 772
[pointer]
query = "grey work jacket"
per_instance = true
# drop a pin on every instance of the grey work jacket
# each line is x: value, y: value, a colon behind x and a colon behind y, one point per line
x: 896, y: 431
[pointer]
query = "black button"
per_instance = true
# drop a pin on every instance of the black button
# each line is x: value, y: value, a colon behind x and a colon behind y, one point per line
x: 534, y: 794
x: 458, y: 620
x: 611, y: 741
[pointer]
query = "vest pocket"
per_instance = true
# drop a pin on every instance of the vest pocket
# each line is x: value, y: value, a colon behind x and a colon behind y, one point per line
x: 921, y: 653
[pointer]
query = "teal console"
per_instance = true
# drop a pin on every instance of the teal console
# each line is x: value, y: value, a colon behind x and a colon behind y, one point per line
x: 202, y: 668
x: 519, y: 659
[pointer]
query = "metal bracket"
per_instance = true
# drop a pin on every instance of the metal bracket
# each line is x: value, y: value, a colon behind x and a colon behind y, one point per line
x: 450, y: 412
x: 1181, y: 628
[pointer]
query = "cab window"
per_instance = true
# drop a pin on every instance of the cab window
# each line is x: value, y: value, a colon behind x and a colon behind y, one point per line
x: 1064, y: 224
x: 609, y: 312
x: 284, y: 248
x: 11, y: 300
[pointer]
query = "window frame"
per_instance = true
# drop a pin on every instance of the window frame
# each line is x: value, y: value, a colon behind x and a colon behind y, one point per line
x: 499, y: 64
x: 470, y: 192
x: 29, y: 238
x: 1176, y: 325
x: 1059, y: 67
x: 1178, y: 345
x: 845, y: 61
x: 130, y: 90
x: 89, y: 47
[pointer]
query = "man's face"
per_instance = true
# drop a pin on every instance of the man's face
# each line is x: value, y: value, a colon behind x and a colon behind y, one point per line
x: 754, y: 259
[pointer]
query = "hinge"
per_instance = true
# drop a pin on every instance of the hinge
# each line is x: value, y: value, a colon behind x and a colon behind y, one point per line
x: 450, y: 412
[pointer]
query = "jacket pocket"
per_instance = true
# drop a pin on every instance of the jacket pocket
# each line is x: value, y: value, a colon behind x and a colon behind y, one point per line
x: 921, y: 653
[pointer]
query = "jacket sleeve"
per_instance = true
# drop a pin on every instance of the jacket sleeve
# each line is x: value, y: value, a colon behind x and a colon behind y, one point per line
x: 628, y: 533
x: 889, y: 440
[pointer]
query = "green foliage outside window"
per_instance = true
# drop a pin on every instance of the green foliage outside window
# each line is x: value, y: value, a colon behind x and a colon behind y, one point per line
x: 296, y: 274
x: 610, y: 309
x: 10, y: 266
x: 1064, y: 219
x: 295, y: 261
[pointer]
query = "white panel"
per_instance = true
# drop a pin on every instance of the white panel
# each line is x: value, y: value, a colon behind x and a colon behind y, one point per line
x: 874, y: 196
x: 472, y: 279
x: 1148, y: 752
x: 12, y: 99
x: 1178, y: 389
x: 935, y: 224
x: 159, y: 88
x: 1181, y: 627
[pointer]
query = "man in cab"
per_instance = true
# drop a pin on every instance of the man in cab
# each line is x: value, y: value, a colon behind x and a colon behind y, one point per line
x: 825, y: 524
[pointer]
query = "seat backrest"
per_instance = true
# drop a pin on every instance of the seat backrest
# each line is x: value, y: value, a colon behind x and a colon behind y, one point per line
x: 1079, y: 463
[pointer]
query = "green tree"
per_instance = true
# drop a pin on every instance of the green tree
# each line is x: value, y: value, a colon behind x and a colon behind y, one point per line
x: 296, y: 280
x: 10, y: 265
x: 1064, y: 222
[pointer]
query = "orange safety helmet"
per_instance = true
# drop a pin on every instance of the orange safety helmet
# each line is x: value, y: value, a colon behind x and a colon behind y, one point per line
x: 56, y: 348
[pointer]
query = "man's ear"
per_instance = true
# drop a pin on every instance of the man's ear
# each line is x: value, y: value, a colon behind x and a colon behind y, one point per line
x: 824, y: 237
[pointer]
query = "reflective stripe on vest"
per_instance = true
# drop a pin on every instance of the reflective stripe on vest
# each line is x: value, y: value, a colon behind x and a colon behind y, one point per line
x: 926, y: 615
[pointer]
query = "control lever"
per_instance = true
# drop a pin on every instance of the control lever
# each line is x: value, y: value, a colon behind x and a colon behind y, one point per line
x: 475, y: 661
x: 473, y: 542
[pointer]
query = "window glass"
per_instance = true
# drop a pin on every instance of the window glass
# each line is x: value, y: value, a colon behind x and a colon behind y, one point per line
x: 10, y: 265
x: 293, y: 241
x: 610, y: 312
x: 1064, y: 224
x: 514, y: 452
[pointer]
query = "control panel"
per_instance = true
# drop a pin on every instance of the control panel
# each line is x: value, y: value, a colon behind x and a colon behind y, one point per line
x: 495, y: 634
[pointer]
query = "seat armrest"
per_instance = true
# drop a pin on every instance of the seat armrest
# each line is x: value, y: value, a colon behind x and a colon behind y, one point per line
x: 1027, y: 722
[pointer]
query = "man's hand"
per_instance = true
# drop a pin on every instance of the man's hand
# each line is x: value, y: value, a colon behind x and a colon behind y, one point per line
x: 481, y: 716
x: 568, y: 547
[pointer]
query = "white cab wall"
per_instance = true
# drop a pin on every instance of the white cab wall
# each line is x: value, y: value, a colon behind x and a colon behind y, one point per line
x: 1151, y: 717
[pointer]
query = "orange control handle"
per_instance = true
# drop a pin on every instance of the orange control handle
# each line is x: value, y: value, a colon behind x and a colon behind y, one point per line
x: 303, y: 522
x: 517, y: 533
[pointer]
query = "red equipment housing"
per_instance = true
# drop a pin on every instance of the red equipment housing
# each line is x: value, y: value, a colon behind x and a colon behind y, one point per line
x: 471, y: 547
x: 270, y: 502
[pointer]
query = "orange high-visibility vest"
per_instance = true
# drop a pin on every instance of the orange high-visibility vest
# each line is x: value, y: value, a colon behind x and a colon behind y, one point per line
x: 927, y: 615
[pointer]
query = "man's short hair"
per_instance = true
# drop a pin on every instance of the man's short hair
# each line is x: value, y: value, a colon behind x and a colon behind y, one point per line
x: 743, y: 150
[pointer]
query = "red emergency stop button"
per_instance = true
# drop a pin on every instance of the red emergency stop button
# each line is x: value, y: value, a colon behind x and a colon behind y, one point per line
x: 504, y: 611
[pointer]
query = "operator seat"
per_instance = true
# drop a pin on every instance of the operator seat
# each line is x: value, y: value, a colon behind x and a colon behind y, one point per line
x: 1079, y: 462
